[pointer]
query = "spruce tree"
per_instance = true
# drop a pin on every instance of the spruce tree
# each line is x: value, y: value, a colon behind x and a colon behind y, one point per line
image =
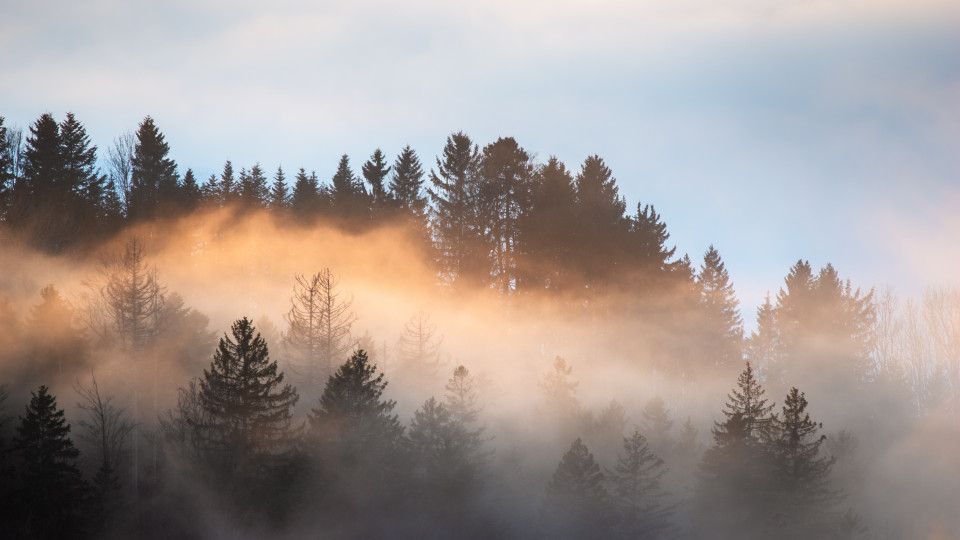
x: 418, y: 350
x: 720, y: 325
x: 804, y: 500
x: 504, y: 196
x: 6, y: 169
x: 82, y: 183
x: 305, y: 200
x: 406, y: 185
x: 461, y: 252
x: 576, y: 504
x: 642, y: 511
x: 443, y: 449
x: 348, y: 195
x: 39, y: 198
x: 247, y: 405
x: 50, y: 490
x: 375, y: 172
x: 253, y: 191
x: 547, y: 230
x: 657, y: 425
x: 602, y: 230
x: 733, y: 494
x: 228, y: 185
x: 191, y: 194
x: 279, y: 196
x: 153, y: 176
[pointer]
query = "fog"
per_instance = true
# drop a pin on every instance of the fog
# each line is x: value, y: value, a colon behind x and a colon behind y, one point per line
x: 227, y: 264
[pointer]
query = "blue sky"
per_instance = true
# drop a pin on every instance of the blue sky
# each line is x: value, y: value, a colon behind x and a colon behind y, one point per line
x: 823, y: 130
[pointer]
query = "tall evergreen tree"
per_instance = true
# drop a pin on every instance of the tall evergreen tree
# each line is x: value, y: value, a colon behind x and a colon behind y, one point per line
x: 733, y: 495
x: 50, y: 489
x: 406, y: 185
x: 804, y: 501
x: 228, y: 185
x: 153, y: 176
x: 191, y: 194
x: 443, y: 449
x: 39, y: 197
x: 576, y: 504
x: 462, y: 255
x: 720, y: 325
x: 248, y: 407
x: 253, y: 191
x: 602, y: 224
x: 639, y: 498
x: 279, y: 196
x: 87, y: 187
x: 548, y: 228
x: 657, y: 424
x: 504, y: 173
x: 6, y: 169
x: 375, y: 172
x: 349, y: 197
x: 306, y: 198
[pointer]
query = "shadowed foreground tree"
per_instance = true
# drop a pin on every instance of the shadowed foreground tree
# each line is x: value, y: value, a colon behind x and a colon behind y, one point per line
x: 576, y: 504
x: 642, y: 511
x: 50, y: 492
x: 358, y: 439
x: 248, y: 408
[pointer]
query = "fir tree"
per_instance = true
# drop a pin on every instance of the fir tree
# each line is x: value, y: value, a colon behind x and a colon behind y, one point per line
x: 6, y: 169
x: 306, y: 200
x: 657, y: 424
x: 279, y: 197
x: 50, y: 488
x: 419, y: 350
x: 228, y: 185
x: 602, y: 225
x: 576, y: 504
x: 190, y: 193
x: 375, y: 172
x: 547, y: 230
x: 638, y: 495
x: 801, y: 474
x: 253, y: 190
x: 721, y: 326
x: 348, y: 195
x: 153, y: 176
x: 247, y: 406
x: 462, y: 255
x: 444, y: 453
x: 406, y: 184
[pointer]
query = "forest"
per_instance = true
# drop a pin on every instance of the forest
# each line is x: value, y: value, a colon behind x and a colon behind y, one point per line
x: 484, y: 345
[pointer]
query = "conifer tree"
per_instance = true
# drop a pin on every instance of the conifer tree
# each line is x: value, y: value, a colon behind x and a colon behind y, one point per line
x: 153, y: 176
x: 306, y: 200
x: 88, y: 189
x: 559, y: 391
x: 504, y: 196
x: 279, y: 197
x: 801, y: 473
x: 419, y: 349
x: 356, y: 432
x: 253, y: 190
x: 39, y: 198
x: 347, y: 193
x: 733, y: 495
x: 721, y: 327
x: 247, y: 405
x: 406, y: 185
x: 444, y: 449
x: 462, y: 254
x: 50, y: 490
x: 602, y: 225
x: 6, y: 169
x: 228, y: 185
x: 576, y: 504
x: 462, y: 400
x: 657, y: 425
x: 190, y: 193
x: 375, y: 172
x: 642, y: 511
x: 319, y: 323
x: 548, y: 228
x: 56, y: 344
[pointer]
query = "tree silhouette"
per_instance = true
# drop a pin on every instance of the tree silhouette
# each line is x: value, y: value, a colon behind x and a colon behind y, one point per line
x: 576, y: 504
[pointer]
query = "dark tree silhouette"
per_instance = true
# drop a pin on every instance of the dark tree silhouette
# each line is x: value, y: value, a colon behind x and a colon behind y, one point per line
x: 642, y: 510
x: 721, y: 327
x: 248, y: 407
x: 153, y: 176
x: 576, y: 504
x: 50, y: 490
x: 375, y: 172
x: 279, y: 196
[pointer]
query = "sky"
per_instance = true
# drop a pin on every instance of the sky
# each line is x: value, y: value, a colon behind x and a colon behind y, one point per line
x: 775, y: 130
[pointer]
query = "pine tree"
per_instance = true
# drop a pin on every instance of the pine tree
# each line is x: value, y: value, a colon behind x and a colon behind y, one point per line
x: 462, y: 400
x: 602, y: 225
x: 576, y: 504
x: 306, y: 200
x: 444, y: 455
x: 6, y: 169
x: 356, y: 432
x: 153, y: 176
x: 462, y: 254
x: 279, y: 197
x: 419, y: 350
x: 39, y: 198
x: 559, y: 391
x: 657, y: 425
x: 636, y: 490
x: 253, y: 191
x: 190, y: 193
x: 721, y: 327
x: 248, y: 408
x: 375, y: 171
x: 56, y: 346
x: 228, y: 185
x: 547, y: 230
x: 504, y: 197
x: 348, y: 195
x: 732, y: 497
x: 803, y: 497
x: 88, y: 194
x: 319, y: 323
x: 50, y: 488
x: 762, y: 349
x: 406, y: 186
